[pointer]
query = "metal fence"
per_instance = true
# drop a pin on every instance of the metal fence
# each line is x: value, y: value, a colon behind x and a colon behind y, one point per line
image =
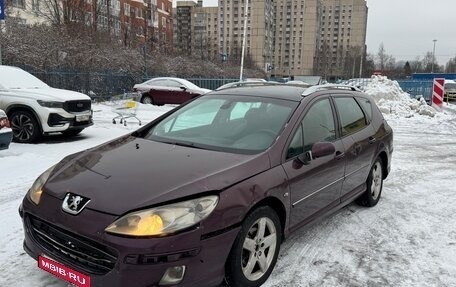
x: 99, y: 86
x: 103, y: 86
x: 417, y: 88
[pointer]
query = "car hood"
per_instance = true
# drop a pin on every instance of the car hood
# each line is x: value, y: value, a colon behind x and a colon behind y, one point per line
x: 49, y: 94
x: 132, y: 173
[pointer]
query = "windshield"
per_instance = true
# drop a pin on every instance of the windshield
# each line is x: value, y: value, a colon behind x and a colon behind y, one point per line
x: 15, y: 78
x: 226, y: 123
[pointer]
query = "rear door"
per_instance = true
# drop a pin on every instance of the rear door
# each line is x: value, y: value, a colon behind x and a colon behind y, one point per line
x: 315, y: 186
x: 358, y: 139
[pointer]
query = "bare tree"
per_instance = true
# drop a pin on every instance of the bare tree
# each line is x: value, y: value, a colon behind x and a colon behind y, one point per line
x: 451, y: 66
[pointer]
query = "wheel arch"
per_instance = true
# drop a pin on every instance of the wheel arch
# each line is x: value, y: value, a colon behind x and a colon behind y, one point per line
x: 15, y: 108
x: 384, y: 158
x: 277, y: 206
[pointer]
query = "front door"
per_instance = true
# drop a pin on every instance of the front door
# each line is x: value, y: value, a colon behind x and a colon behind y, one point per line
x: 316, y: 185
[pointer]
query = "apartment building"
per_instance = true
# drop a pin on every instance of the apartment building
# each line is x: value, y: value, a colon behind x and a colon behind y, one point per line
x: 259, y: 46
x: 133, y: 21
x: 183, y: 26
x: 342, y: 40
x: 296, y: 37
x: 165, y: 24
x: 28, y: 12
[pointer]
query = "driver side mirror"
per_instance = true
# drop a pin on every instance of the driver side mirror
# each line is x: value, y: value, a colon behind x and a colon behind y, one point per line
x: 319, y: 149
x: 184, y: 88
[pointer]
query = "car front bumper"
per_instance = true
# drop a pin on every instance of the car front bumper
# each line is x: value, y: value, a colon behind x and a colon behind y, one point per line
x: 134, y: 261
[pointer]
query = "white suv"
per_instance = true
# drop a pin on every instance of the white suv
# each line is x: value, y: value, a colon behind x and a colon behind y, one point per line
x: 35, y: 109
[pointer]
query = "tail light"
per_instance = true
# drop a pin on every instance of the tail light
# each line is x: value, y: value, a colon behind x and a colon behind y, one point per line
x: 4, y: 123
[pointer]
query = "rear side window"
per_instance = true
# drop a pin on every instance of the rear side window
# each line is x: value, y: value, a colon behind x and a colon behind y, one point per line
x: 351, y: 115
x: 367, y: 106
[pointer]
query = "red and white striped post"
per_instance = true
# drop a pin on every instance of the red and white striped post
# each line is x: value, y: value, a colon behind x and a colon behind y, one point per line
x: 437, y: 93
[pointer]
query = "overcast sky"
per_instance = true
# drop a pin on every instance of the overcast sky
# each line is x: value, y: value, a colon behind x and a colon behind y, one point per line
x: 407, y: 28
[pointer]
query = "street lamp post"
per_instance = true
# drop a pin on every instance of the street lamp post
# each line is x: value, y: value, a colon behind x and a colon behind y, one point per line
x: 433, y: 56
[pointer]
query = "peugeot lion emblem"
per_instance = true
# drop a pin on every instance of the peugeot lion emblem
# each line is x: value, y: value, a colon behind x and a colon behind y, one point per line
x: 74, y: 204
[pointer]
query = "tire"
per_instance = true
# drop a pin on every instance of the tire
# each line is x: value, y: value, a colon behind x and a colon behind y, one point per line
x: 147, y: 99
x: 72, y: 133
x: 25, y: 127
x: 374, y: 185
x: 253, y: 255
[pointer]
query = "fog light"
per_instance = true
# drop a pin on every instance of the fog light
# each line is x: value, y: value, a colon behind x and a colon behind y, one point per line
x: 173, y: 275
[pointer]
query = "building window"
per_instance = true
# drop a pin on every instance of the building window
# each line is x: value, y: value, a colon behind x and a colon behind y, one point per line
x: 126, y: 9
x: 139, y: 13
x: 19, y: 3
x: 36, y: 5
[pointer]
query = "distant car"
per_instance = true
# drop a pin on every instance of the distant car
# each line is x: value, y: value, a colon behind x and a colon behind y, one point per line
x: 6, y: 134
x: 298, y: 83
x: 35, y: 109
x: 450, y: 90
x: 167, y: 90
x: 209, y: 190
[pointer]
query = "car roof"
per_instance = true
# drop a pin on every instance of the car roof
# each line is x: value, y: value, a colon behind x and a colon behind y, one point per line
x: 283, y: 91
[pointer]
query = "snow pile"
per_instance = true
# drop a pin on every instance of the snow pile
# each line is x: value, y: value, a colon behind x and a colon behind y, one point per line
x: 391, y: 99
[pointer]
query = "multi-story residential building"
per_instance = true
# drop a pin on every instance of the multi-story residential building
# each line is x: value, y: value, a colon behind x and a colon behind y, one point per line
x: 342, y: 38
x: 28, y: 12
x: 259, y: 46
x: 165, y: 24
x: 296, y: 35
x: 133, y: 21
x: 195, y: 31
x: 183, y: 26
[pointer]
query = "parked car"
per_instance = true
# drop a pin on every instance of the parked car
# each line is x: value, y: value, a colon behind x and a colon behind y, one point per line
x: 35, y: 109
x: 6, y: 134
x: 209, y: 190
x: 450, y: 90
x: 298, y: 83
x: 167, y: 90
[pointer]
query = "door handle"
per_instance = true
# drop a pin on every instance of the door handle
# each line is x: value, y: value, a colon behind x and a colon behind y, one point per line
x: 372, y: 140
x: 339, y: 155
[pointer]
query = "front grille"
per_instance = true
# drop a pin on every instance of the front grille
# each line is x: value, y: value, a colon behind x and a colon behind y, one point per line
x: 89, y: 256
x: 77, y: 106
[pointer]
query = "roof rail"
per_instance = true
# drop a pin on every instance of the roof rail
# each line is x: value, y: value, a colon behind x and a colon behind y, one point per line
x: 246, y: 84
x: 314, y: 89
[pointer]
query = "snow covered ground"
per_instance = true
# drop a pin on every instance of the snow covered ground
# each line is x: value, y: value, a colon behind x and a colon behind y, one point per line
x: 408, y: 239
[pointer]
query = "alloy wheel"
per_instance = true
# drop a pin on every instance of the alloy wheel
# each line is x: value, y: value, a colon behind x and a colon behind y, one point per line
x: 259, y: 248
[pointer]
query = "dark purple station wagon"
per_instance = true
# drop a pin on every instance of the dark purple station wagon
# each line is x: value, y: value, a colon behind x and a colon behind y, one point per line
x: 206, y: 193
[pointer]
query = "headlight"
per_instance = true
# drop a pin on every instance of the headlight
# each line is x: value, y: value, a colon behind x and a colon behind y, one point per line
x: 36, y: 190
x: 163, y: 220
x: 50, y: 104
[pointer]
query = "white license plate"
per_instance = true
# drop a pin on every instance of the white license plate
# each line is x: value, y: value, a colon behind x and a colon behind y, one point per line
x: 82, y: 118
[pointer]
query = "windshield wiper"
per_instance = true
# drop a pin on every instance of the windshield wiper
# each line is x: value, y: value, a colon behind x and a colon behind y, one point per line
x: 184, y: 144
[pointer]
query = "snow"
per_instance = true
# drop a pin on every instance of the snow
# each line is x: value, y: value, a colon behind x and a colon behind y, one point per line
x: 408, y: 239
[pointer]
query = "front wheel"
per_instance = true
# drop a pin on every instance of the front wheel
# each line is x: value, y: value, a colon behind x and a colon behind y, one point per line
x: 25, y: 127
x: 374, y: 186
x: 255, y: 250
